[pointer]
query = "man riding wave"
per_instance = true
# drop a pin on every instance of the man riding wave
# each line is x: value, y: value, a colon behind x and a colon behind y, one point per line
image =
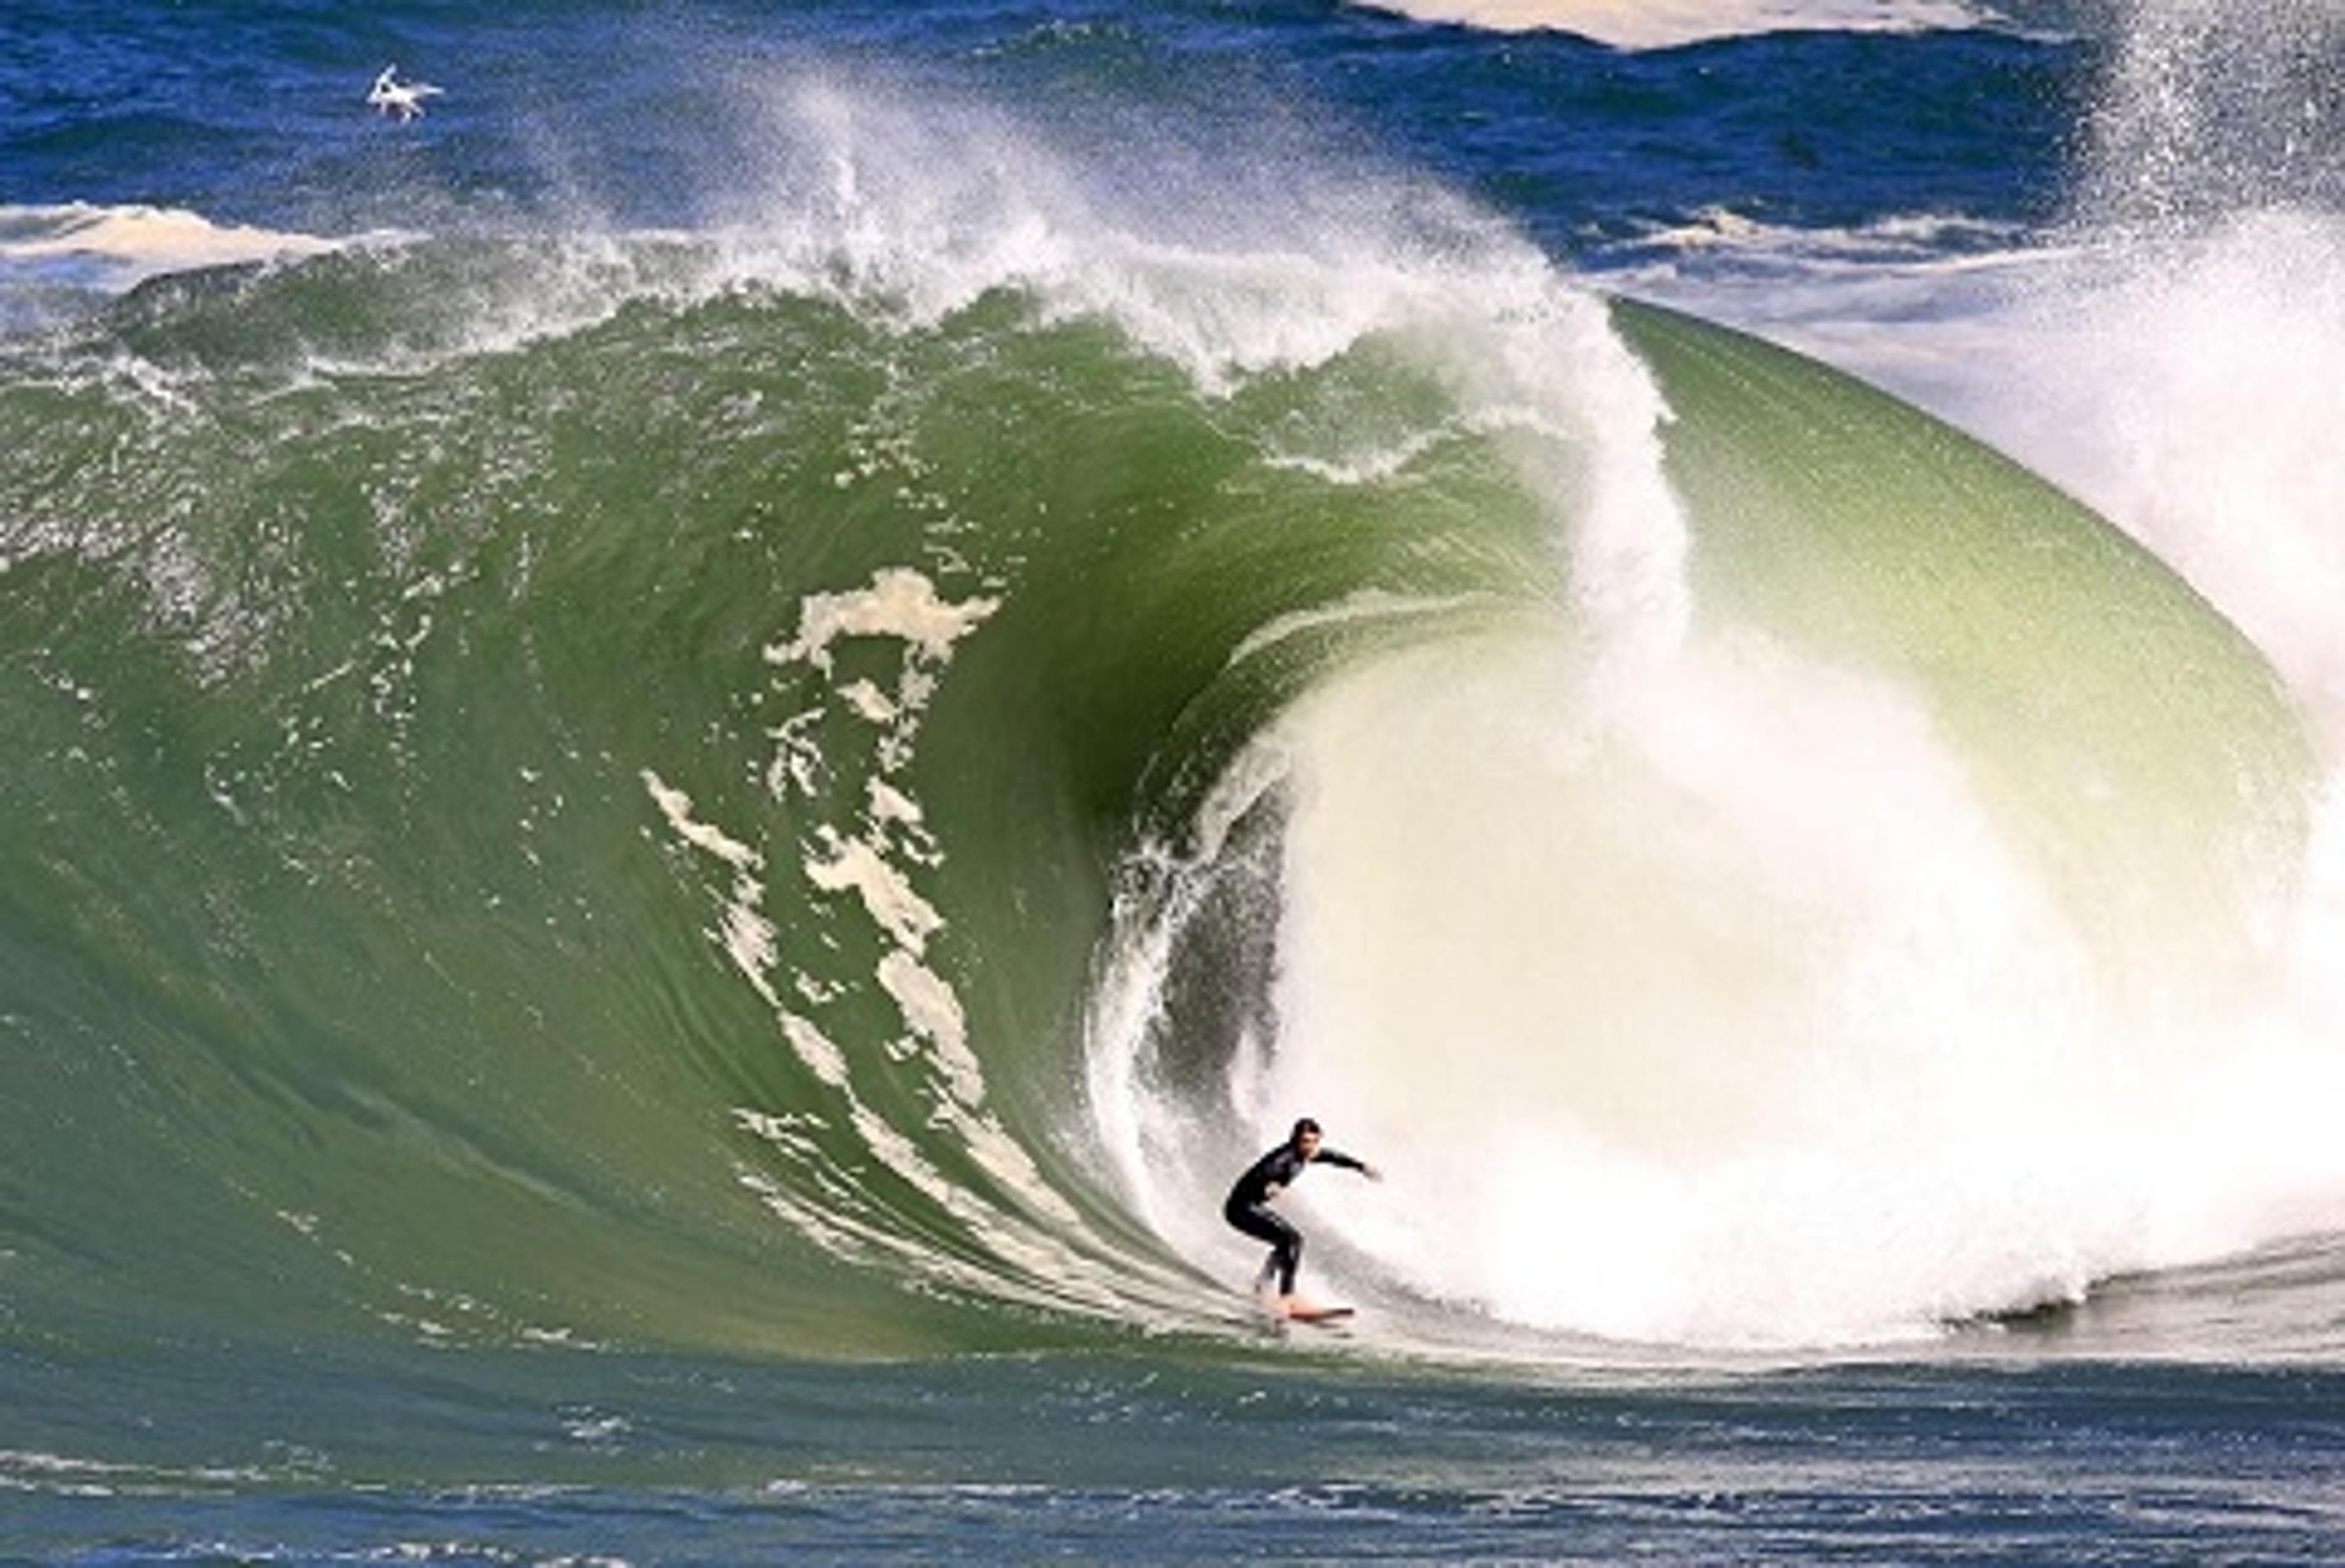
x: 1248, y: 1205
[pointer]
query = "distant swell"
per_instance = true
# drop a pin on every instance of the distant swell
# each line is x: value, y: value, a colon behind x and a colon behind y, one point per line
x: 1665, y: 24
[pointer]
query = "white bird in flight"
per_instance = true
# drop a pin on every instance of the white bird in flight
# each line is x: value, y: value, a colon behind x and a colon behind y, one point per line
x: 393, y: 96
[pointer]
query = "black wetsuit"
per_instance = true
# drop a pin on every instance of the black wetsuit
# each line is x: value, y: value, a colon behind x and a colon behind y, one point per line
x: 1248, y: 1206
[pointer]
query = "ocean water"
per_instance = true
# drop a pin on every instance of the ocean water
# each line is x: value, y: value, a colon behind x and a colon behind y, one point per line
x: 695, y: 745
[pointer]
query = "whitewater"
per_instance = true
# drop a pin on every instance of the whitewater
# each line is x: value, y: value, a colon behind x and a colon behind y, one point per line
x: 677, y: 804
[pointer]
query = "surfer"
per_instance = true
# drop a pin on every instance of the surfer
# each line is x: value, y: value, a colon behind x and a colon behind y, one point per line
x: 1248, y: 1206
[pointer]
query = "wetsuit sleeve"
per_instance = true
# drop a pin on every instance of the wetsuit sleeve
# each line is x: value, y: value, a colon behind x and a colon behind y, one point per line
x: 1337, y: 1156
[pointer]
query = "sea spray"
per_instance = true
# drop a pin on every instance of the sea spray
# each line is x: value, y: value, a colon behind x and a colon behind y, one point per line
x: 2208, y: 109
x: 2175, y: 370
x: 2186, y: 392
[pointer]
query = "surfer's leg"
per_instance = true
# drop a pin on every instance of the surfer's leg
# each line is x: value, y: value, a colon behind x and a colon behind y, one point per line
x: 1285, y: 1242
x: 1289, y: 1258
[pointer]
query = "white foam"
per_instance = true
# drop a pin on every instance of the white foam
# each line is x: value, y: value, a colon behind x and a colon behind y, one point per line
x: 870, y: 702
x: 880, y: 864
x: 885, y: 889
x: 815, y: 1049
x: 932, y: 1011
x: 127, y: 244
x: 889, y: 805
x: 1226, y: 269
x: 1368, y: 605
x: 900, y: 603
x: 879, y: 861
x: 747, y: 936
x: 1665, y: 24
x: 1682, y: 1032
x: 677, y: 807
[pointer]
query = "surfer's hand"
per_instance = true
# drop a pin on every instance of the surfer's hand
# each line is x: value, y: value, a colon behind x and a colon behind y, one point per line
x: 1372, y: 1173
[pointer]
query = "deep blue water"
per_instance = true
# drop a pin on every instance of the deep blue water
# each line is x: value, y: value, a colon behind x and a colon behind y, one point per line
x: 248, y: 117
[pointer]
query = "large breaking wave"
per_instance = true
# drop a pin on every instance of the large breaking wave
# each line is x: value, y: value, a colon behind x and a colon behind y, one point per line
x: 817, y: 784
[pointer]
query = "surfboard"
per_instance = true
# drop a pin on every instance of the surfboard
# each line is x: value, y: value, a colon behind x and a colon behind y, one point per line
x: 1295, y: 1310
x: 1319, y: 1317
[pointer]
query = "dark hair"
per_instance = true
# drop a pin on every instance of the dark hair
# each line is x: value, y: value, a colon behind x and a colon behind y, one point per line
x: 1301, y: 1126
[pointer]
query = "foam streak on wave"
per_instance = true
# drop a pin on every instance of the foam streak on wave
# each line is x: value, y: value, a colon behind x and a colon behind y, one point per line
x: 870, y: 862
x: 122, y: 244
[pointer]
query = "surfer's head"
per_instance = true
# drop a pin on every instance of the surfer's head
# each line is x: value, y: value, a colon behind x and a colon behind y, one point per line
x: 1305, y: 1137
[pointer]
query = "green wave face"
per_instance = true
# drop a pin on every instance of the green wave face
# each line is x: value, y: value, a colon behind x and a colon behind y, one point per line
x: 575, y: 799
x: 2124, y: 734
x: 593, y: 818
